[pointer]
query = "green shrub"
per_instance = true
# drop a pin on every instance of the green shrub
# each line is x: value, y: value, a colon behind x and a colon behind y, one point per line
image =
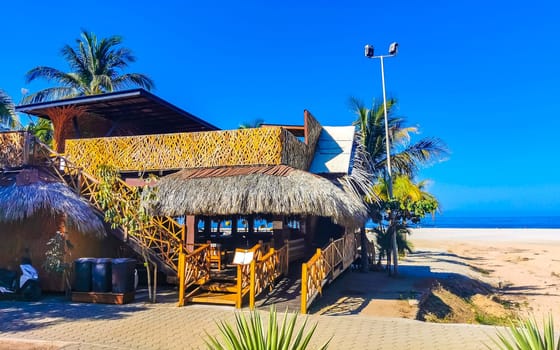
x: 251, y: 334
x: 525, y: 335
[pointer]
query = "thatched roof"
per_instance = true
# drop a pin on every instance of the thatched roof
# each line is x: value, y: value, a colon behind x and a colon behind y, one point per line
x: 269, y: 190
x: 18, y: 202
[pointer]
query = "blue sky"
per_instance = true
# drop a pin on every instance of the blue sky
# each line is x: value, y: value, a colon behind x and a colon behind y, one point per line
x: 481, y: 76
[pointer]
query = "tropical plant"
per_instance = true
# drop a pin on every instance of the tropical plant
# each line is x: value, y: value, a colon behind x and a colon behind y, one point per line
x: 251, y: 334
x: 255, y: 123
x: 126, y: 213
x: 95, y: 68
x: 525, y: 335
x: 410, y: 202
x: 58, y: 247
x: 384, y: 240
x: 43, y: 130
x: 8, y: 114
x: 406, y: 157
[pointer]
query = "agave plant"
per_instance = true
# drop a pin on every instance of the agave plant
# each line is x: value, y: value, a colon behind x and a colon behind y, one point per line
x: 251, y: 334
x: 525, y: 335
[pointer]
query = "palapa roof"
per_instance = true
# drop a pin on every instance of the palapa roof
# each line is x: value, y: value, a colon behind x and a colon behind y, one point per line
x: 18, y: 202
x: 264, y: 190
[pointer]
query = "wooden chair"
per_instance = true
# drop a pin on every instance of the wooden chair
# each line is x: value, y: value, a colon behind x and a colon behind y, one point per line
x: 217, y: 255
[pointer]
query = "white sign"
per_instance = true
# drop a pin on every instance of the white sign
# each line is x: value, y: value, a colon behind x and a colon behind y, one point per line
x: 243, y: 257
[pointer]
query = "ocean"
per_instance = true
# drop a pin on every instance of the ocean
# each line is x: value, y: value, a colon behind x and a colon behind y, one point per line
x: 443, y: 221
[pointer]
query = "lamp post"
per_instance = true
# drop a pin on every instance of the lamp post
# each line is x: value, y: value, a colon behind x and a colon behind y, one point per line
x: 369, y: 53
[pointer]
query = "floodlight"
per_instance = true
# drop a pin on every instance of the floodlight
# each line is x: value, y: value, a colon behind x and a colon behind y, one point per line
x: 393, y: 48
x: 368, y: 51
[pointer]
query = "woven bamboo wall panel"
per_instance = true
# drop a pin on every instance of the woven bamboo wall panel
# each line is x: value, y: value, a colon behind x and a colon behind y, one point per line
x: 298, y: 154
x: 12, y: 149
x: 260, y: 146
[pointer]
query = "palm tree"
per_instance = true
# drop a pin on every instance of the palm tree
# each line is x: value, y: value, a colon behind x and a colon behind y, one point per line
x: 410, y: 203
x: 406, y: 158
x: 8, y: 114
x: 95, y: 67
x: 256, y: 123
x: 43, y: 130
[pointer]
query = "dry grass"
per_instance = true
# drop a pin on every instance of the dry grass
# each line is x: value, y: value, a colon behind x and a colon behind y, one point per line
x: 444, y: 306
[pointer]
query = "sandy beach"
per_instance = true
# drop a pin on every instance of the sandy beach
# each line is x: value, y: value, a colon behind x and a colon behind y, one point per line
x: 524, y: 264
x: 519, y: 265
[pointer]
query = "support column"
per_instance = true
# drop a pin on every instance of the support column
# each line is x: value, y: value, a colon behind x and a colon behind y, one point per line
x: 207, y: 226
x: 234, y: 226
x: 251, y: 224
x: 190, y: 224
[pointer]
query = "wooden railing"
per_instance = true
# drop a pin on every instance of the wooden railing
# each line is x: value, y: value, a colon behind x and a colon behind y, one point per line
x: 296, y: 249
x: 14, y: 149
x: 326, y: 265
x: 266, y: 270
x: 245, y: 273
x: 193, y: 269
x: 313, y: 275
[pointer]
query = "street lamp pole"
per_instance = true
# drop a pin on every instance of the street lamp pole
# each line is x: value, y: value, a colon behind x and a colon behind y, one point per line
x: 369, y: 52
x: 388, y: 139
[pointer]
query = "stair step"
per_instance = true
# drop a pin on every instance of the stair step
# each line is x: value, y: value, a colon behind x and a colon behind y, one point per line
x: 214, y: 298
x: 220, y: 287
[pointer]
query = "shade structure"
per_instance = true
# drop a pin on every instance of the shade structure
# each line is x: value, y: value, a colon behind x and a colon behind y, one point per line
x: 268, y: 190
x: 18, y: 202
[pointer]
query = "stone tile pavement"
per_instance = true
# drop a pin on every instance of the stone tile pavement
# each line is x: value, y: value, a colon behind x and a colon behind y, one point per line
x: 60, y: 324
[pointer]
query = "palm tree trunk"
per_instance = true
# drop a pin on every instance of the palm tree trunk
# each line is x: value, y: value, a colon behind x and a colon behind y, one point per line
x: 394, y: 247
x: 364, y: 244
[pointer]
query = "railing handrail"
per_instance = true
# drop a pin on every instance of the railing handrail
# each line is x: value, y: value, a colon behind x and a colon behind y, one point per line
x: 318, y: 267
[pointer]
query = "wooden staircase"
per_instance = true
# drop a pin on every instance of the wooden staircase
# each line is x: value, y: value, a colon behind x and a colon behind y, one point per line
x: 160, y: 239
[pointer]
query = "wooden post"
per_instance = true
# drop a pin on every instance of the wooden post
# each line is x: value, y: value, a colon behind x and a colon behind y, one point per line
x: 181, y: 272
x: 190, y: 223
x: 331, y: 263
x: 154, y: 294
x: 233, y: 226
x: 207, y: 226
x: 239, y: 286
x: 252, y: 285
x: 303, y: 308
x: 287, y: 243
x: 184, y: 231
x: 251, y: 224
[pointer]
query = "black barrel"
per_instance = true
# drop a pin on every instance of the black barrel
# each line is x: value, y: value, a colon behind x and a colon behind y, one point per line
x: 101, y: 275
x: 123, y: 275
x: 82, y: 274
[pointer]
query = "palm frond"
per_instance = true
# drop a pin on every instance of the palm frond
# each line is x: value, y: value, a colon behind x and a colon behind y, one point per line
x: 49, y: 94
x: 8, y: 114
x: 131, y: 79
x: 96, y: 67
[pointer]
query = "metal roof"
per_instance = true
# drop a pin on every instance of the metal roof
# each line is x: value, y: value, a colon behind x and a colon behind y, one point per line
x: 147, y: 111
x: 334, y: 150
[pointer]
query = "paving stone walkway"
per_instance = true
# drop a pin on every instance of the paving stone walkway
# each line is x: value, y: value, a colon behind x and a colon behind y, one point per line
x: 60, y: 324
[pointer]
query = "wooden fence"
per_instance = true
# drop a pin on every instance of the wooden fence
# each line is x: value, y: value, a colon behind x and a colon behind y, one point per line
x: 326, y: 265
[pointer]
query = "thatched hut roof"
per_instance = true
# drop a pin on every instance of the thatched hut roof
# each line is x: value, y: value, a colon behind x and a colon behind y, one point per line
x: 268, y: 190
x: 18, y: 202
